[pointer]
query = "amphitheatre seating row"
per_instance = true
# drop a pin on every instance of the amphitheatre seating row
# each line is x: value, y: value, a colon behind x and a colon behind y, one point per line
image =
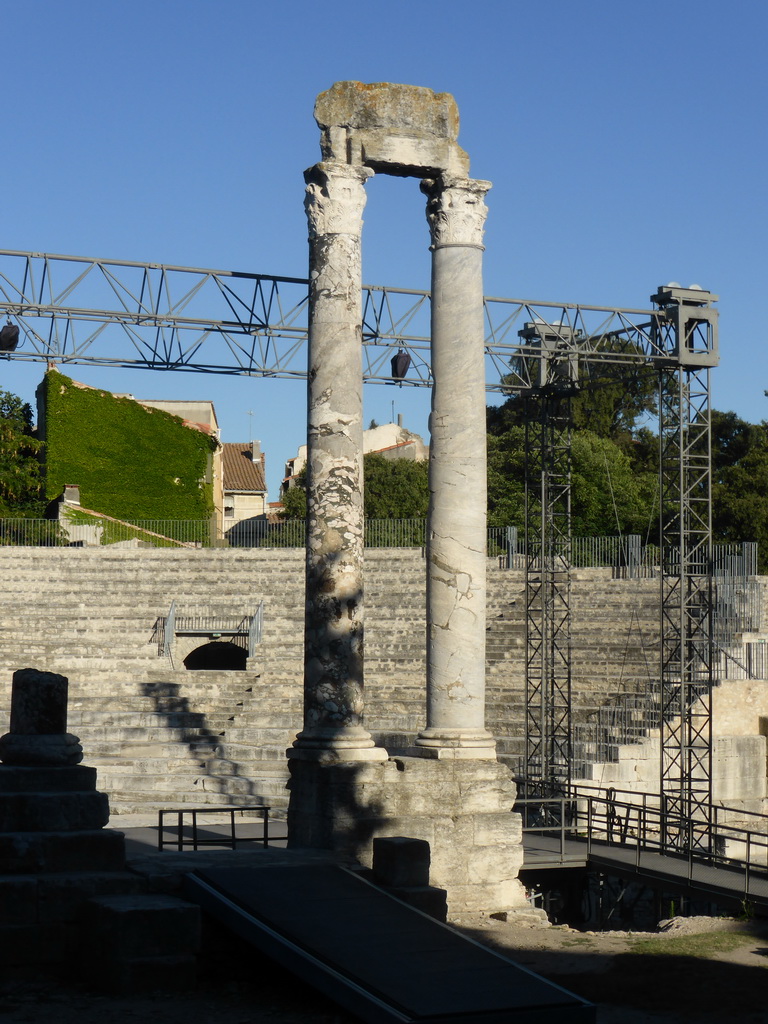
x: 162, y: 736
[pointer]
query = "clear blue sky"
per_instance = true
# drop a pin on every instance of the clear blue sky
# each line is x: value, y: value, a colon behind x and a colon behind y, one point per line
x: 626, y: 143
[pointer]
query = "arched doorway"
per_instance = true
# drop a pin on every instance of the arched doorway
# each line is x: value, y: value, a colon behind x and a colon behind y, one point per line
x: 217, y: 655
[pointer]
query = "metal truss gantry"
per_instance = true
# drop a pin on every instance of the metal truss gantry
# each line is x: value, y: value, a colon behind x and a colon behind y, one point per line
x: 84, y: 311
x: 74, y: 310
x: 685, y: 347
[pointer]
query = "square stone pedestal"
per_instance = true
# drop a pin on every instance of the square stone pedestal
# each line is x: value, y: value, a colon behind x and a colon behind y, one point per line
x: 463, y: 809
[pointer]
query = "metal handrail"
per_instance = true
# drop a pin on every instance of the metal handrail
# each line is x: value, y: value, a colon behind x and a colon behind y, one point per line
x: 255, y: 629
x: 195, y: 841
x: 601, y: 817
x: 169, y: 630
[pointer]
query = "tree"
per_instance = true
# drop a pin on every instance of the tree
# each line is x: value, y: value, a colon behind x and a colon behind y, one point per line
x: 740, y: 482
x: 395, y: 488
x: 20, y: 476
x: 607, y: 494
x: 295, y: 498
x: 610, y: 405
x: 506, y: 478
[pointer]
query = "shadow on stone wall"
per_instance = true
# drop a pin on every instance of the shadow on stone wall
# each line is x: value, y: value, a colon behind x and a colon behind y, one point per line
x: 219, y: 773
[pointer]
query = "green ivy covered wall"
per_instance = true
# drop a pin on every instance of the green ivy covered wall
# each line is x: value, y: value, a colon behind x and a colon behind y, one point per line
x: 130, y: 461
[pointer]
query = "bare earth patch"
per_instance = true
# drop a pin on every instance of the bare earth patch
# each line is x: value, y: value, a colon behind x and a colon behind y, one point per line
x: 695, y: 971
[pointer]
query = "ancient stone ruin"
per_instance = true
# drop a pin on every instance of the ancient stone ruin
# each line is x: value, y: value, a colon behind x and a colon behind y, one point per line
x: 450, y: 791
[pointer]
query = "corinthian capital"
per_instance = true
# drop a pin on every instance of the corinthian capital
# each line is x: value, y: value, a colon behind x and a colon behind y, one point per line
x: 335, y: 197
x: 455, y: 210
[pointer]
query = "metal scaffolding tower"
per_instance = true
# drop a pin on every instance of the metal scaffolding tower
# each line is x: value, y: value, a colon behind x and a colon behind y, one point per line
x: 548, y: 753
x: 690, y: 325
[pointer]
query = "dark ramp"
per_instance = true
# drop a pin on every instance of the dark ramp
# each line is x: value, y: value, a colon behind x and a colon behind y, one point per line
x: 372, y: 954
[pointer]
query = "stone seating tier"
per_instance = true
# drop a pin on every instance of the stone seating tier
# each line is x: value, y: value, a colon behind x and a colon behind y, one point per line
x: 219, y: 736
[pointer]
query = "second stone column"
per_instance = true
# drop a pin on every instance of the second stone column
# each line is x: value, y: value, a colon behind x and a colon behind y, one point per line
x: 456, y: 558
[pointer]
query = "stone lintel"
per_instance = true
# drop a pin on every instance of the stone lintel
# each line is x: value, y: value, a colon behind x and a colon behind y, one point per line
x: 403, y: 130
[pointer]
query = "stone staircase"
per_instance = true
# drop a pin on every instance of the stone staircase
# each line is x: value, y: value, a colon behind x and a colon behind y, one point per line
x: 614, y: 649
x: 161, y: 736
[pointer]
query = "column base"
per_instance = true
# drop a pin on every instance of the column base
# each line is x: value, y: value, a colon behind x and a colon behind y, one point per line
x: 454, y: 745
x: 329, y: 746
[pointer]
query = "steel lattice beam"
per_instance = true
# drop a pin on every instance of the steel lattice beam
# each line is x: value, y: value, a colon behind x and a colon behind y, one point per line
x: 99, y: 312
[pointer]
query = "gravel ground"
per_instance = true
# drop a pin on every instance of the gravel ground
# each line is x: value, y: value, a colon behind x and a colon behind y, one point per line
x: 236, y: 988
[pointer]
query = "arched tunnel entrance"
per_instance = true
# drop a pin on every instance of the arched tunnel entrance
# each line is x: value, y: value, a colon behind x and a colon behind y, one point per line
x: 217, y: 655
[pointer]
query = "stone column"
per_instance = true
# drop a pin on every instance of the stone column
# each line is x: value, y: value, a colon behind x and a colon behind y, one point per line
x: 456, y: 558
x: 38, y: 730
x: 333, y: 636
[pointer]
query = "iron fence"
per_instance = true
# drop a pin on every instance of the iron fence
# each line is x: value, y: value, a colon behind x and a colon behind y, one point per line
x: 731, y: 566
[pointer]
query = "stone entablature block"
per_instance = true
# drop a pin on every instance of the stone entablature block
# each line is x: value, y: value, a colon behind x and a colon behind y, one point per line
x: 405, y: 130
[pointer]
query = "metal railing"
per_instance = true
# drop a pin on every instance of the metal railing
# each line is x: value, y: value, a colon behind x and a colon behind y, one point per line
x: 624, y: 554
x: 244, y: 629
x: 187, y: 831
x: 640, y: 822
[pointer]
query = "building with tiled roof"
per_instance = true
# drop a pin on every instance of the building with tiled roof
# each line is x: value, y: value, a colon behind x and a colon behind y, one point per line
x: 390, y: 440
x: 245, y: 488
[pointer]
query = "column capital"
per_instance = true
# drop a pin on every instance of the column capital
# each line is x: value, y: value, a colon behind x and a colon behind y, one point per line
x: 335, y: 198
x: 456, y: 211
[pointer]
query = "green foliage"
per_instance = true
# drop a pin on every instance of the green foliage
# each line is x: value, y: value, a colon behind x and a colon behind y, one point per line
x: 294, y: 502
x: 610, y: 407
x: 506, y: 478
x: 608, y: 495
x: 130, y: 461
x: 395, y: 488
x: 740, y: 482
x: 20, y: 476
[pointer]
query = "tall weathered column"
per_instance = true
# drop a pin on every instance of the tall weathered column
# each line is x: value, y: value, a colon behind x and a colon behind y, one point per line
x: 456, y: 558
x: 333, y: 658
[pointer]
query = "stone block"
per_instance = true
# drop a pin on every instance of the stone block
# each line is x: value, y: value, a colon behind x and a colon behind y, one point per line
x: 501, y: 828
x: 18, y: 901
x: 426, y: 898
x: 400, y: 861
x: 489, y: 898
x: 141, y: 927
x: 22, y: 945
x: 29, y: 852
x: 53, y: 812
x: 63, y: 896
x: 493, y: 864
x: 26, y: 779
